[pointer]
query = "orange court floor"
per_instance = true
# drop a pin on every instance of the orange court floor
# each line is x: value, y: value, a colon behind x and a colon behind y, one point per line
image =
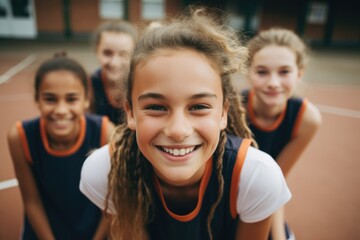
x: 324, y: 182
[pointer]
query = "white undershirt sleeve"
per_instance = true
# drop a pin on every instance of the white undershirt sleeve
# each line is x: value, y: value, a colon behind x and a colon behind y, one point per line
x: 94, y: 177
x: 262, y: 187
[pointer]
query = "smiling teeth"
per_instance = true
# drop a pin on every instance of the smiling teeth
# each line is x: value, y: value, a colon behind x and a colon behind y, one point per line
x: 178, y: 152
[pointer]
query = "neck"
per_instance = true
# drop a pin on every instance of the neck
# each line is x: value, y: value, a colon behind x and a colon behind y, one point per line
x: 266, y: 115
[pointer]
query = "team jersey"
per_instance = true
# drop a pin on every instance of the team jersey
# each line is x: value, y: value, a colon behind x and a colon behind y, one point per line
x: 57, y: 174
x: 254, y: 188
x: 194, y: 224
x: 274, y: 138
x: 101, y: 104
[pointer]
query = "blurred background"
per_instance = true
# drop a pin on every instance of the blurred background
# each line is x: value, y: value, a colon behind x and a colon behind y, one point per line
x: 321, y: 22
x: 324, y: 182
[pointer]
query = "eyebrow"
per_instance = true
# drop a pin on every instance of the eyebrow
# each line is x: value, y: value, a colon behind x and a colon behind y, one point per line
x: 162, y: 97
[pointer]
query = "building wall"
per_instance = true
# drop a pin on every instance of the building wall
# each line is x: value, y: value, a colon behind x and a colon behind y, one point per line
x: 49, y: 16
x: 84, y: 15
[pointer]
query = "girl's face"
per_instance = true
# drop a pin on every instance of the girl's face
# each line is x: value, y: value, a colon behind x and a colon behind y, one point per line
x: 114, y: 51
x: 177, y: 113
x: 274, y: 75
x: 62, y: 102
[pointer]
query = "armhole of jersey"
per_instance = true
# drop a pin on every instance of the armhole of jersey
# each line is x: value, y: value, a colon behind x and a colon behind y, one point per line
x: 24, y: 142
x: 236, y: 175
x: 299, y: 118
x: 104, y: 131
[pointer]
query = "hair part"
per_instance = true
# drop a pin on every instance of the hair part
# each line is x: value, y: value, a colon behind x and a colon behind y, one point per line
x: 130, y: 177
x: 58, y: 63
x: 279, y: 37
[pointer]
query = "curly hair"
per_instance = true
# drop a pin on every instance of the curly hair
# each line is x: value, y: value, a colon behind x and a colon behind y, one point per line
x: 130, y: 176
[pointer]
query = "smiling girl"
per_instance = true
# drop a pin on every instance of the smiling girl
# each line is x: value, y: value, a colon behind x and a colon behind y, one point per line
x: 283, y: 125
x: 48, y: 153
x: 182, y: 166
x: 115, y: 41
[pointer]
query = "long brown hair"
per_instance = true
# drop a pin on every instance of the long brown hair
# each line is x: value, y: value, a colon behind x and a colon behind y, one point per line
x: 130, y: 175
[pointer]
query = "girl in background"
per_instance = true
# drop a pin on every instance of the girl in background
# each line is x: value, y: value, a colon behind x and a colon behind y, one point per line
x: 182, y: 166
x: 282, y: 124
x: 48, y: 153
x: 114, y: 45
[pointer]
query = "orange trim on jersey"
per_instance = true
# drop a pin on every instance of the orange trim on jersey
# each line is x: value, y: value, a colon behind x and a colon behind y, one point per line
x: 203, y: 185
x: 236, y: 175
x: 299, y: 118
x: 63, y: 153
x: 24, y: 142
x: 252, y: 116
x: 104, y: 130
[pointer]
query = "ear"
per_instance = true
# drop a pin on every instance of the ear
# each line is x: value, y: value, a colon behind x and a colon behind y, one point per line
x: 224, y: 115
x: 300, y: 74
x: 87, y: 104
x: 131, y: 122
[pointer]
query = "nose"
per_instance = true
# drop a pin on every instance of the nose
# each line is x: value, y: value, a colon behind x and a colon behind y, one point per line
x: 61, y: 108
x: 274, y: 80
x: 115, y: 60
x: 178, y: 127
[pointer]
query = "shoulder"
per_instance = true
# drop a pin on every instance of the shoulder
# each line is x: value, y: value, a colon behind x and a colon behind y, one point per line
x: 262, y: 187
x: 312, y: 114
x: 311, y: 119
x: 13, y: 133
x: 94, y: 172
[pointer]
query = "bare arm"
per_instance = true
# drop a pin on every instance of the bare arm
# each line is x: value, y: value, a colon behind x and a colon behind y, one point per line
x: 291, y: 153
x: 31, y: 199
x: 103, y: 227
x: 110, y: 130
x: 254, y: 231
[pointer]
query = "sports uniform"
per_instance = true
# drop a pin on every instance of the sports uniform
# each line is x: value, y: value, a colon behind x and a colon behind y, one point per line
x: 248, y: 174
x: 273, y: 139
x: 57, y: 174
x: 101, y: 104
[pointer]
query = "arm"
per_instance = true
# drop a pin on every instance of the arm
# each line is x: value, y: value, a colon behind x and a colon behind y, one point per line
x: 262, y: 191
x: 103, y: 227
x: 29, y: 192
x: 310, y: 123
x: 110, y: 131
x: 254, y: 231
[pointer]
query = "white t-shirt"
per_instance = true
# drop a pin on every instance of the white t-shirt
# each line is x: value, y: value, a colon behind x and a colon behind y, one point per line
x: 262, y: 187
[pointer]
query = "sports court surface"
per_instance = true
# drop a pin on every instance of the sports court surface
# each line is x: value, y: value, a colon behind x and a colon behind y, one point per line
x: 325, y: 181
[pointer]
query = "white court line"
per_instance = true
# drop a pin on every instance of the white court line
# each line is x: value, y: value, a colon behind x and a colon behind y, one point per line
x: 8, y: 184
x: 17, y: 68
x: 339, y: 111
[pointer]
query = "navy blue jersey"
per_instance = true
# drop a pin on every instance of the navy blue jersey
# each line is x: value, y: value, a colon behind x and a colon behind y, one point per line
x: 101, y: 104
x: 57, y: 174
x: 193, y: 226
x: 273, y: 139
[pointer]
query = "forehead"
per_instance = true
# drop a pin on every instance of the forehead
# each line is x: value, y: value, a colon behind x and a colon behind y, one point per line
x: 274, y: 55
x: 176, y: 71
x: 116, y: 40
x: 61, y: 81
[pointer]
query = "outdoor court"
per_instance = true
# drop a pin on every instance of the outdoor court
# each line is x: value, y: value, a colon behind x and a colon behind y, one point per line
x: 325, y: 181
